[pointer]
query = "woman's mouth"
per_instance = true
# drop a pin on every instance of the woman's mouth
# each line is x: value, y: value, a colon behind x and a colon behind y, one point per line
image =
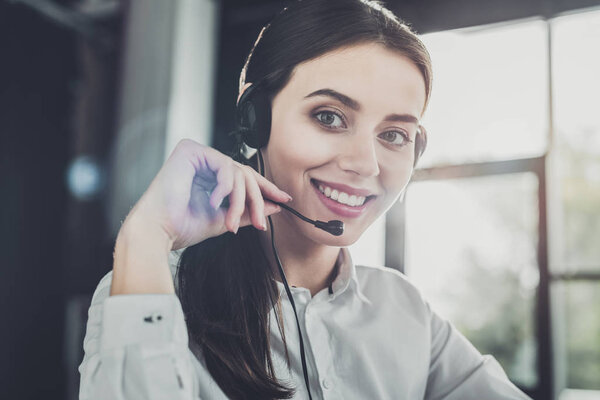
x: 341, y: 202
x: 342, y: 197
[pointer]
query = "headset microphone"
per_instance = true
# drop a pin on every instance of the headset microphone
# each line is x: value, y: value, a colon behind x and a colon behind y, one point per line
x: 335, y: 227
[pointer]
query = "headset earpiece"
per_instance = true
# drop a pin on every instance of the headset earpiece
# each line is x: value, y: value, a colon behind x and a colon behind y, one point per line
x: 420, y: 143
x: 253, y: 116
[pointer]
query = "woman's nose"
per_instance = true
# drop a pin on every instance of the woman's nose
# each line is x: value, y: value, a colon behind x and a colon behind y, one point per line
x: 358, y: 155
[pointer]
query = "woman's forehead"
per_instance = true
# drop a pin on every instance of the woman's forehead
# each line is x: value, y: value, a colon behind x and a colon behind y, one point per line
x: 367, y: 72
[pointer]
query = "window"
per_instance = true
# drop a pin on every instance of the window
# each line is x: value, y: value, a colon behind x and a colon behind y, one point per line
x: 574, y: 203
x: 508, y: 195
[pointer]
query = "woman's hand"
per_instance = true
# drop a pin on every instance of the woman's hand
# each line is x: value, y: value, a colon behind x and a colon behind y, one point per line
x: 184, y: 199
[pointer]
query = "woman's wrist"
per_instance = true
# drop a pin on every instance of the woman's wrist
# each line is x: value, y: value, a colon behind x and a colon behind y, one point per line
x: 141, y: 258
x: 140, y: 228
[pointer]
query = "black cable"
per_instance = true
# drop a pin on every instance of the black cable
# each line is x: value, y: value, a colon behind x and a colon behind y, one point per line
x: 287, y: 287
x: 289, y: 294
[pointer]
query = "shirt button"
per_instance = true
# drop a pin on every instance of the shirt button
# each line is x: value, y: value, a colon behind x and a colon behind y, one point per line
x: 326, y: 383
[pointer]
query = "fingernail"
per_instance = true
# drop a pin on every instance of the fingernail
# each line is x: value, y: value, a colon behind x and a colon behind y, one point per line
x: 264, y: 224
x: 237, y: 226
x: 289, y: 198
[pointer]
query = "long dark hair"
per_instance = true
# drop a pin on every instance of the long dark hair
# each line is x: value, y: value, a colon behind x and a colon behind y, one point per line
x: 226, y: 285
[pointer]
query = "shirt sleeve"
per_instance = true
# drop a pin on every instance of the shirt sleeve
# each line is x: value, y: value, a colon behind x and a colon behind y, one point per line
x: 458, y: 371
x: 136, y: 347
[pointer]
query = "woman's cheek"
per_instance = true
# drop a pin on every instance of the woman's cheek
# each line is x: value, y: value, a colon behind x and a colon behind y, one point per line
x: 307, y: 145
x: 395, y: 182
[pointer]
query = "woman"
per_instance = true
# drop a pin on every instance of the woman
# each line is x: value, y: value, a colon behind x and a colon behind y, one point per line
x: 331, y: 95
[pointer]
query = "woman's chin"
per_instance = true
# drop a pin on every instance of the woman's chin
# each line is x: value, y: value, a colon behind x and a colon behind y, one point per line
x: 306, y: 231
x: 344, y: 240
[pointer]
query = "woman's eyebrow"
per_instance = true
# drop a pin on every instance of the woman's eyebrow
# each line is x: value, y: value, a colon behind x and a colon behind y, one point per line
x: 342, y: 98
x: 355, y: 105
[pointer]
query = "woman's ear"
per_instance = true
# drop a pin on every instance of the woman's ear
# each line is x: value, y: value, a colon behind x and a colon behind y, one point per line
x: 242, y: 91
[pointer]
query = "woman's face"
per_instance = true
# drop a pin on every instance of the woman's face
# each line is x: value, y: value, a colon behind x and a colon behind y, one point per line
x: 339, y: 129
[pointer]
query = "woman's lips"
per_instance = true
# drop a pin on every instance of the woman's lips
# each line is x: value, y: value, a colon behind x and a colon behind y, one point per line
x: 343, y: 210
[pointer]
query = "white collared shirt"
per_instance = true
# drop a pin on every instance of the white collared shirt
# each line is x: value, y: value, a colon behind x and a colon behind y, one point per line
x: 372, y: 336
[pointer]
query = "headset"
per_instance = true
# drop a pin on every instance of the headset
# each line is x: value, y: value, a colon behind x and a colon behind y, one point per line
x: 253, y: 127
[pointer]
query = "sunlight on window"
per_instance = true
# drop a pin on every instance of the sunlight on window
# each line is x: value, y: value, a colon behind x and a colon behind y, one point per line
x: 490, y: 94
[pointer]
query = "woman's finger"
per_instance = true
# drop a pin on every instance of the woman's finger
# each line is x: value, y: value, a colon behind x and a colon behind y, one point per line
x: 269, y: 189
x: 225, y: 181
x: 255, y: 202
x: 269, y: 209
x: 237, y: 201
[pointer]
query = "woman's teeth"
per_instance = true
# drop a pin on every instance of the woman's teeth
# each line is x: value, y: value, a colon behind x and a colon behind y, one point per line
x: 341, y: 197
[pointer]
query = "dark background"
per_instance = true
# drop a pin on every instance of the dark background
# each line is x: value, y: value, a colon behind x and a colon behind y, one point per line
x: 59, y: 87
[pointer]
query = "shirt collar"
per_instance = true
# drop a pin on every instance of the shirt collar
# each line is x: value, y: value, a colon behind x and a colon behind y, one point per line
x: 346, y: 278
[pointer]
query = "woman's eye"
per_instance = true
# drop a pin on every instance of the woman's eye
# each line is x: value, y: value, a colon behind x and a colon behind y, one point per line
x: 329, y: 119
x: 395, y: 138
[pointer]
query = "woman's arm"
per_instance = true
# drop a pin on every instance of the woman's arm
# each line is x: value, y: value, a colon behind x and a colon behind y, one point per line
x: 136, y: 344
x: 141, y: 259
x: 136, y: 347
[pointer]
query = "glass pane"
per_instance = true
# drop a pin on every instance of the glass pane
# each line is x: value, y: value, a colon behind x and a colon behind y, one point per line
x: 576, y: 321
x: 471, y: 249
x: 575, y: 179
x: 490, y: 94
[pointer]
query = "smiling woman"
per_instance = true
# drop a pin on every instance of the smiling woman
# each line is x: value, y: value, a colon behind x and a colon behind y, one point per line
x: 331, y: 128
x: 331, y: 97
